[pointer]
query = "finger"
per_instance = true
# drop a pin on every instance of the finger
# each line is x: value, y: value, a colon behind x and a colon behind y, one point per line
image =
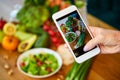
x: 95, y: 30
x: 92, y: 43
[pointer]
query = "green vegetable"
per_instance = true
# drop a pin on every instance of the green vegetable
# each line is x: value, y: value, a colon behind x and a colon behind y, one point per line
x: 27, y: 43
x: 52, y: 10
x: 81, y: 40
x: 80, y: 3
x: 69, y: 22
x: 32, y: 16
x: 34, y: 2
x: 70, y: 36
x: 23, y: 35
x: 74, y: 71
x: 43, y: 39
x: 21, y: 27
x: 1, y: 35
x: 35, y: 66
x: 78, y: 71
x: 83, y: 70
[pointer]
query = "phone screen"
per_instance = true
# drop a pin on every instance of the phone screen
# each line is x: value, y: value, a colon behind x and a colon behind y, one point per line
x: 74, y: 31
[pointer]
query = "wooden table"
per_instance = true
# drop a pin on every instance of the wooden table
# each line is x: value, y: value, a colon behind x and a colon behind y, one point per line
x: 104, y: 67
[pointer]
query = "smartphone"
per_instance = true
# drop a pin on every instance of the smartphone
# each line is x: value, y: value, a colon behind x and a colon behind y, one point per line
x: 75, y: 33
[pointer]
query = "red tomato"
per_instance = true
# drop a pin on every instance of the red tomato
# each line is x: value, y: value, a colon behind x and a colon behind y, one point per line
x: 46, y: 27
x: 54, y: 39
x: 39, y: 63
x: 2, y: 23
x: 58, y: 34
x: 51, y: 33
x: 22, y: 64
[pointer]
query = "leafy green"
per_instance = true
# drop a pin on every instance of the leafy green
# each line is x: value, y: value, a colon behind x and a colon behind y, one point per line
x: 70, y: 36
x: 34, y: 2
x: 53, y: 9
x: 32, y: 16
x: 69, y: 22
x: 39, y: 64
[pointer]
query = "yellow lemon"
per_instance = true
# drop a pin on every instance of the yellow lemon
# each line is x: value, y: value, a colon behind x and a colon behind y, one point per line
x: 9, y: 28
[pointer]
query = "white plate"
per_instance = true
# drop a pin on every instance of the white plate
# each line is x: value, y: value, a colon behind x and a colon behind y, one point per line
x: 38, y: 51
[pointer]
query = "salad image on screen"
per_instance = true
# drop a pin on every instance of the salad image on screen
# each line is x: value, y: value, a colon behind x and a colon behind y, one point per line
x: 74, y: 31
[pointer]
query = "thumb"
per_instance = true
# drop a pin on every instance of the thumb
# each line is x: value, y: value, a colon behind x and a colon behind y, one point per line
x: 92, y: 43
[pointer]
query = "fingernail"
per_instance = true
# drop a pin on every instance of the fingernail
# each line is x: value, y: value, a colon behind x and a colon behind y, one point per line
x: 86, y: 48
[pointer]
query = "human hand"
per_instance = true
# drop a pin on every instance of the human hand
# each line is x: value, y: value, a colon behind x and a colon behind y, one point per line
x: 108, y: 40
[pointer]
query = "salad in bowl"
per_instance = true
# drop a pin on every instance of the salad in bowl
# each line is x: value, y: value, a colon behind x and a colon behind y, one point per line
x: 39, y: 62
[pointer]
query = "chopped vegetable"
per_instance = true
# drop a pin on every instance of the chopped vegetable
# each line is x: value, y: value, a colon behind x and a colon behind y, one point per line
x: 70, y: 36
x: 39, y: 64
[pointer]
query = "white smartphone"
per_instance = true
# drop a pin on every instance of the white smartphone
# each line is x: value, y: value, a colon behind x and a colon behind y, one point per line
x: 75, y: 33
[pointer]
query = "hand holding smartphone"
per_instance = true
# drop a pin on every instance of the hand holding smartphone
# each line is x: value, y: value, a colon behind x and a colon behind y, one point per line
x: 75, y: 33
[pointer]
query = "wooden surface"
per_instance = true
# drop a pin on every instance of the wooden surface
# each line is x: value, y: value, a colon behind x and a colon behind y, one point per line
x: 104, y: 67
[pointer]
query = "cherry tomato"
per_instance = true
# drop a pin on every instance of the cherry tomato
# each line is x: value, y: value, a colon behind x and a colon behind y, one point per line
x: 46, y: 27
x: 39, y: 63
x: 51, y: 33
x: 22, y: 64
x: 54, y: 39
x: 58, y: 34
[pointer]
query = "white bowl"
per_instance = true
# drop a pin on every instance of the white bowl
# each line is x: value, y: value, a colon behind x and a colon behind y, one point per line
x: 68, y: 33
x: 38, y: 51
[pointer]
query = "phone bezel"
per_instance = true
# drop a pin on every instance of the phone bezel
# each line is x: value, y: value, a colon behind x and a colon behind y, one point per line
x: 86, y: 55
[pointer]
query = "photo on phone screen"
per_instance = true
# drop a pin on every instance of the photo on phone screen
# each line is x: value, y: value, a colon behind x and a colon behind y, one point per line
x: 74, y: 31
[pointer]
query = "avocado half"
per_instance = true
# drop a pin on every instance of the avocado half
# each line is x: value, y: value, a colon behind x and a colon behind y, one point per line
x: 27, y: 44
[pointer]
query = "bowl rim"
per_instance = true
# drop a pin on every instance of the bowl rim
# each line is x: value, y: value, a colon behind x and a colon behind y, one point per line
x: 73, y: 33
x: 35, y: 50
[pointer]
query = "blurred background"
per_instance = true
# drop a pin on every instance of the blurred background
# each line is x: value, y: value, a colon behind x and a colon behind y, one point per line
x: 106, y: 10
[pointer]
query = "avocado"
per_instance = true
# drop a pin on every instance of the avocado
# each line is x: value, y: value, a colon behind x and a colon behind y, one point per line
x: 27, y: 44
x: 19, y: 35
